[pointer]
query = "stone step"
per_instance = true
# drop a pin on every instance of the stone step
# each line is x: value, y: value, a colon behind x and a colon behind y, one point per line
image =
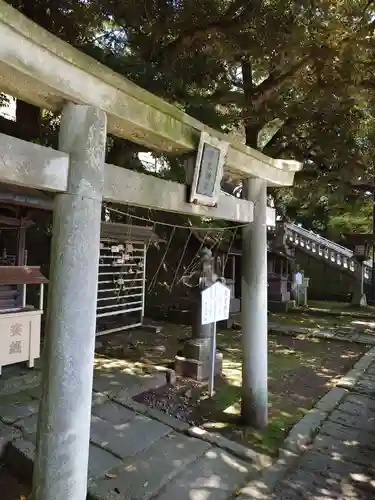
x: 142, y: 476
x: 17, y: 382
x: 10, y: 413
x: 152, y: 327
x: 19, y: 456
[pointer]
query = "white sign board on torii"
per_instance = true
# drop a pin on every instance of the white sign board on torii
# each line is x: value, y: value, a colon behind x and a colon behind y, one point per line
x: 215, y: 303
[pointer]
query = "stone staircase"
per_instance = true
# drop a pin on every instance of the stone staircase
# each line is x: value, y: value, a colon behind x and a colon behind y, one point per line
x: 321, y: 248
x: 293, y: 236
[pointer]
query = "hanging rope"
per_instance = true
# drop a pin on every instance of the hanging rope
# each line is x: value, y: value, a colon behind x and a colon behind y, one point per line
x: 194, y: 264
x: 153, y: 281
x: 196, y: 259
x: 121, y: 277
x: 198, y: 228
x: 194, y: 267
x: 229, y: 248
x: 180, y: 261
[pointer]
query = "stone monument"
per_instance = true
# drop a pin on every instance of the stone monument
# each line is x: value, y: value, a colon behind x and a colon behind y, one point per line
x: 195, y: 359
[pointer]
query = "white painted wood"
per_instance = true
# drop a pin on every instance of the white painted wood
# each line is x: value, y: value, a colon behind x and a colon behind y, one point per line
x: 271, y: 217
x: 116, y: 300
x: 20, y: 337
x: 41, y: 297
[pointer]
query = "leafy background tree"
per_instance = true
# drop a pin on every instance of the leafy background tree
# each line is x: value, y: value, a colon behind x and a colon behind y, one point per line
x: 293, y: 79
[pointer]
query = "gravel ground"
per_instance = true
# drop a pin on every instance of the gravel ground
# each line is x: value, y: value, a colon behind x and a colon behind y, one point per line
x: 178, y: 400
x: 314, y: 367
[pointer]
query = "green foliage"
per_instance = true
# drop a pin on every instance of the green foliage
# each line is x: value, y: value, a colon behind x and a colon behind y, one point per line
x: 328, y: 210
x: 291, y: 78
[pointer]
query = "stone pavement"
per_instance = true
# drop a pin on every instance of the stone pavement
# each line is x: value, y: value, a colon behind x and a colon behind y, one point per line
x: 340, y: 461
x: 132, y: 456
x: 139, y: 453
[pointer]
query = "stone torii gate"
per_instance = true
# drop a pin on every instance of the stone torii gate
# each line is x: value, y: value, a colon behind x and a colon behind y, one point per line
x: 38, y: 68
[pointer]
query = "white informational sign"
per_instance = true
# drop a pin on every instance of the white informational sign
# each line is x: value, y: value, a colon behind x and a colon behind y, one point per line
x: 215, y: 303
x: 298, y: 278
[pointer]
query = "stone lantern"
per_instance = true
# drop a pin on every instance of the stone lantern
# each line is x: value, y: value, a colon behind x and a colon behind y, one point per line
x: 361, y: 245
x: 362, y: 252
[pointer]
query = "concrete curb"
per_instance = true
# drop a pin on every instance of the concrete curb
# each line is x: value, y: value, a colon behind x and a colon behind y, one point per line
x: 21, y: 383
x: 317, y: 311
x: 261, y: 488
x: 349, y: 380
x: 298, y: 439
x: 240, y: 451
x: 236, y: 449
x: 160, y: 416
x: 293, y: 331
x: 304, y: 431
x: 19, y: 453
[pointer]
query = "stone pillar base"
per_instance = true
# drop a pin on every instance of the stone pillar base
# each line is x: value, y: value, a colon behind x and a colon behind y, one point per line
x: 195, y: 361
x: 359, y: 300
x: 197, y: 370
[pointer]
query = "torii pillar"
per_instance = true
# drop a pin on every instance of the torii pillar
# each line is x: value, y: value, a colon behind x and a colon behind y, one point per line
x: 254, y: 409
x: 61, y: 463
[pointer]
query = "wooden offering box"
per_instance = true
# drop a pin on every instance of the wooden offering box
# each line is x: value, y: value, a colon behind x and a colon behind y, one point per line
x: 19, y: 323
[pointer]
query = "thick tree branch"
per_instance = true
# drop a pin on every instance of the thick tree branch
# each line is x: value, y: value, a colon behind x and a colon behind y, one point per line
x: 263, y: 92
x: 269, y: 87
x: 235, y: 13
x: 271, y: 144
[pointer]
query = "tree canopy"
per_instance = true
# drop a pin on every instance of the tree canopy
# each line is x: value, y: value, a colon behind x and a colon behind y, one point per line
x: 292, y: 78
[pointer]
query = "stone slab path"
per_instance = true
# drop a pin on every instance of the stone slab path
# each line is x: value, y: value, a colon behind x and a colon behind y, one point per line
x: 132, y: 456
x: 340, y: 462
x: 356, y: 334
x: 140, y: 454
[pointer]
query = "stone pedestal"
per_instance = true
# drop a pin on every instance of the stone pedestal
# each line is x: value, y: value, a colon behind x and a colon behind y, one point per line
x: 195, y: 361
x: 359, y: 298
x: 195, y: 358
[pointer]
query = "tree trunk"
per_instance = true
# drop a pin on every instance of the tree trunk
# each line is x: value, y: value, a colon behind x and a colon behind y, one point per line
x: 27, y: 121
x: 251, y: 123
x: 122, y: 154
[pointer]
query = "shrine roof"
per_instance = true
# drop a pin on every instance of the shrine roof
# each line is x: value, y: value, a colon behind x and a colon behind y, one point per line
x: 21, y: 275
